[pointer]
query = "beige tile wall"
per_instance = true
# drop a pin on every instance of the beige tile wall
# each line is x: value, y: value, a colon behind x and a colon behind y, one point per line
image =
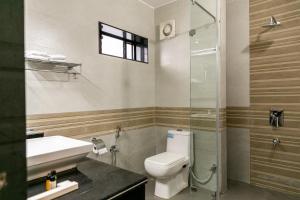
x: 274, y: 83
x: 89, y: 123
x: 145, y: 129
x: 238, y: 140
x: 134, y: 147
x: 238, y: 90
x: 269, y: 167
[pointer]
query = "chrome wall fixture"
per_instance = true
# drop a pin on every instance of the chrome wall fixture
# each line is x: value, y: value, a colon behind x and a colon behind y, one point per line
x: 275, y: 142
x: 276, y: 118
x: 272, y: 23
x: 114, y: 149
x: 194, y: 2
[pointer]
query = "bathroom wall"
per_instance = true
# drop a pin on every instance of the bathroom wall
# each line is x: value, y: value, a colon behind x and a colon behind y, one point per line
x: 274, y: 78
x: 272, y: 83
x: 145, y: 99
x: 173, y: 57
x: 71, y: 28
x: 12, y: 101
x: 238, y: 62
x: 135, y: 146
x: 149, y: 99
x: 238, y: 89
x: 110, y: 92
x: 173, y: 86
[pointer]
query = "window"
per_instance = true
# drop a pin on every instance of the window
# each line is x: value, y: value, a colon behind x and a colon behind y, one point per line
x: 122, y: 44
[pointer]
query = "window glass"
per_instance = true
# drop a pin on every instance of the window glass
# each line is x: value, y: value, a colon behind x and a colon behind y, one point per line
x: 129, y: 49
x: 146, y: 54
x: 112, y: 46
x: 112, y: 30
x: 123, y: 44
x: 129, y: 36
x: 138, y: 53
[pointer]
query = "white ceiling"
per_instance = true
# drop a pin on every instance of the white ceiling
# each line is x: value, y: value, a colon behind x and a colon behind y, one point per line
x: 157, y: 3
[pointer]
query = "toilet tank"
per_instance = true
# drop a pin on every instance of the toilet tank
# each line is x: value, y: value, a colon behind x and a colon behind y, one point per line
x: 178, y: 141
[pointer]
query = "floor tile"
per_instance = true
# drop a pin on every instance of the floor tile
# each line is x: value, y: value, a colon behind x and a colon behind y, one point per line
x: 236, y: 191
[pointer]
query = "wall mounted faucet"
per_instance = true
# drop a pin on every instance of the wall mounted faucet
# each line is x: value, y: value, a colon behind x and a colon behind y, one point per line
x: 276, y: 118
x: 276, y: 142
x: 118, y: 131
x: 114, y: 149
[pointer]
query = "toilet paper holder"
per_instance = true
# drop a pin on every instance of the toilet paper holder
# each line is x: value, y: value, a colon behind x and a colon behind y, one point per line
x: 98, y: 146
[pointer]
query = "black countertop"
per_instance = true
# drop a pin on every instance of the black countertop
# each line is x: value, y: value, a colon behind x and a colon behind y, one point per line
x: 96, y: 180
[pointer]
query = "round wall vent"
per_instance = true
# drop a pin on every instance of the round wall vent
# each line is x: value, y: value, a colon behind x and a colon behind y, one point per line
x: 167, y: 29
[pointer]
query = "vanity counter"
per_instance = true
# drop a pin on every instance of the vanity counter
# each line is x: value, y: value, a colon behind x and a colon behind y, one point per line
x: 98, y: 180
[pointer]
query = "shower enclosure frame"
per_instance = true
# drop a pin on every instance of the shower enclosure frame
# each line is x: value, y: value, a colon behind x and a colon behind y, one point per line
x: 218, y: 52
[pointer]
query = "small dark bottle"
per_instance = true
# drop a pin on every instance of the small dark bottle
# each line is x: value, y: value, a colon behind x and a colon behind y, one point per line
x: 53, y: 179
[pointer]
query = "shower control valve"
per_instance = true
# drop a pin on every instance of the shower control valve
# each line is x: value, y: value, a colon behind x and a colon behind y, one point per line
x: 276, y: 118
x: 276, y: 142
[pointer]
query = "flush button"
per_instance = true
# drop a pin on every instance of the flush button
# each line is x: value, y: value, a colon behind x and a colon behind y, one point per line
x: 3, y: 181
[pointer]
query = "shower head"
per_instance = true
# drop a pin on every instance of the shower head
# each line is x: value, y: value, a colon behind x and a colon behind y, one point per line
x: 272, y: 22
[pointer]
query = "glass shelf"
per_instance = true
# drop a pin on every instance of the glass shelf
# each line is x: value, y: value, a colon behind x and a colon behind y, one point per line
x: 54, y: 66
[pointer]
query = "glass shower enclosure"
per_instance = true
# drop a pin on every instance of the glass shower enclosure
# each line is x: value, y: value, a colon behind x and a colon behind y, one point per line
x: 204, y: 101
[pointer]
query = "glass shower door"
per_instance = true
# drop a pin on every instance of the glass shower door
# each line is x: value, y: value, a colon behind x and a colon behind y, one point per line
x: 204, y: 97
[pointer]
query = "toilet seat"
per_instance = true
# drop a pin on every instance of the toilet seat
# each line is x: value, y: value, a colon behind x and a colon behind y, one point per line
x: 165, y: 164
x: 166, y: 159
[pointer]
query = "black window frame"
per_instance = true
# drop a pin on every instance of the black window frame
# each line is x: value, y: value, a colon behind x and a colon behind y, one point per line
x: 143, y: 43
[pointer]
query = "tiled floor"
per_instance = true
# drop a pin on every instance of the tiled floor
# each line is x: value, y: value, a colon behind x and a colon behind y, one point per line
x: 236, y: 191
x: 242, y: 191
x: 184, y: 195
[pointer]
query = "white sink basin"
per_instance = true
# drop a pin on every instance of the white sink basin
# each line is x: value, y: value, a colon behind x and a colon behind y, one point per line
x: 53, y: 153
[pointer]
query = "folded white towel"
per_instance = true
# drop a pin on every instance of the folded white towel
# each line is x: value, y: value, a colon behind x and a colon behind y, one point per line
x: 36, y: 57
x: 57, y: 57
x: 37, y: 53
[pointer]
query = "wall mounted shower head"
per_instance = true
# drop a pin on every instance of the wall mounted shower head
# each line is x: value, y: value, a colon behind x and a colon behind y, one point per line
x: 272, y: 23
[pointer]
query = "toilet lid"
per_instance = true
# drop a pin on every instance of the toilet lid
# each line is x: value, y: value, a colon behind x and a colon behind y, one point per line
x: 166, y: 158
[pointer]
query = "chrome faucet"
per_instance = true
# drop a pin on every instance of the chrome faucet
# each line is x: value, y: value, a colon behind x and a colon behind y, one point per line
x: 276, y: 118
x: 118, y: 131
x: 275, y: 142
x: 114, y: 148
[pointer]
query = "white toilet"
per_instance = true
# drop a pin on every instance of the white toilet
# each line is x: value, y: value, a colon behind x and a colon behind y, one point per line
x: 171, y: 168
